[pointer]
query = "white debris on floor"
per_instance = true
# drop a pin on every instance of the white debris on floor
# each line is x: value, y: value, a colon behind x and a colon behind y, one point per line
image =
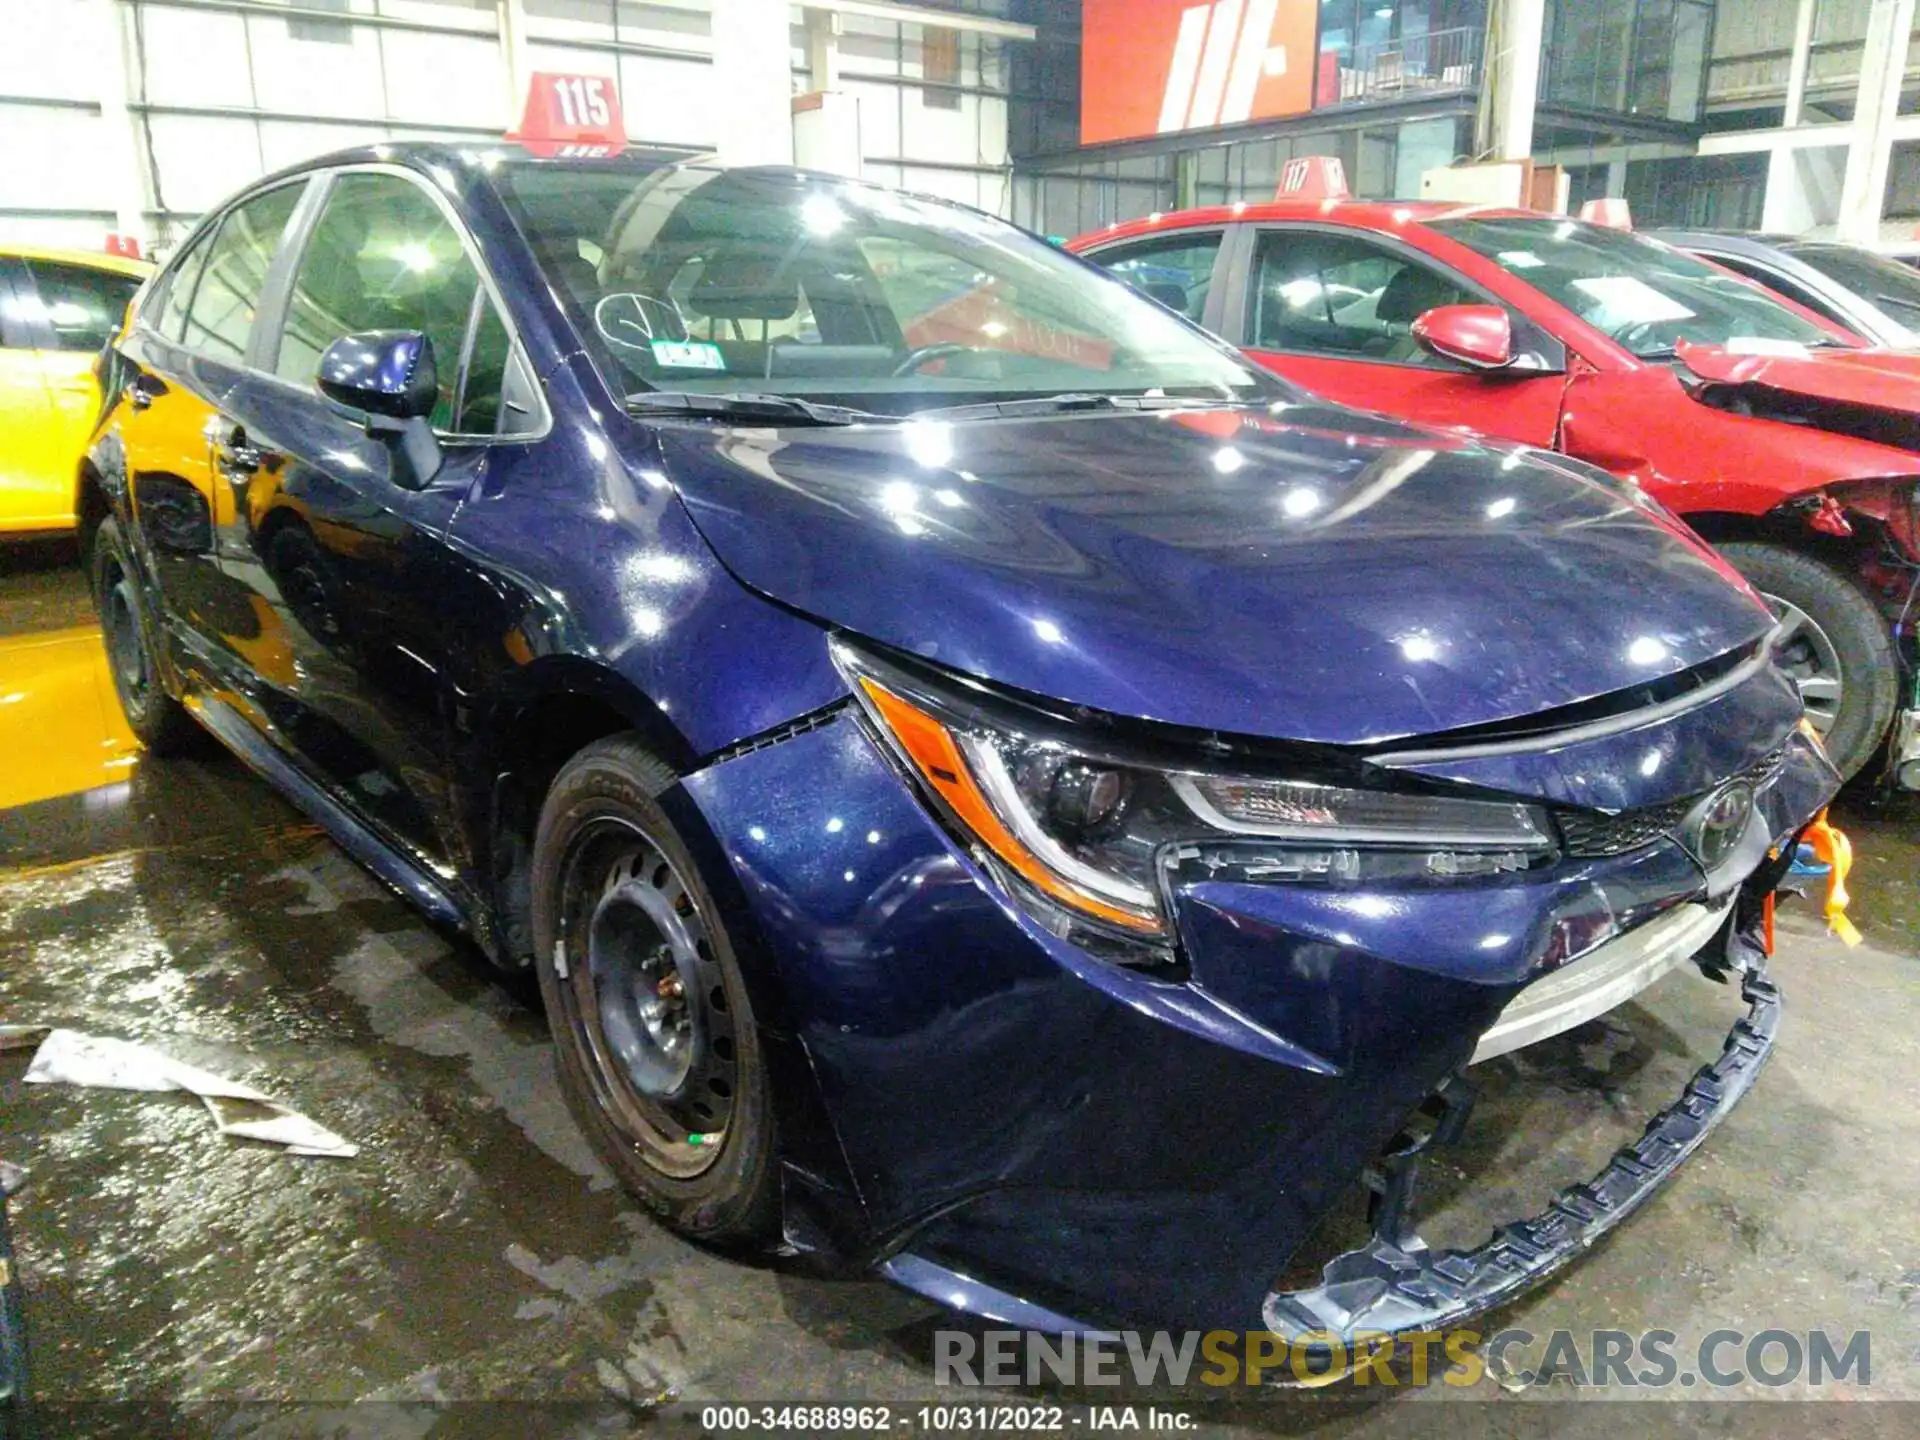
x: 67, y: 1057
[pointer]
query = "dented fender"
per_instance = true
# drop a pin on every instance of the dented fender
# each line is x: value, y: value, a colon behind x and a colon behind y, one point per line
x: 1696, y: 457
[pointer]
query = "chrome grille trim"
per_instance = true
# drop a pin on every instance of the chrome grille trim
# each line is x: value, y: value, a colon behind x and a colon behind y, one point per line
x: 1761, y: 658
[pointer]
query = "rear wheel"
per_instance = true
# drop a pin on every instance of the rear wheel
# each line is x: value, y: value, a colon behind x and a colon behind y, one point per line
x: 658, y: 1052
x: 1837, y: 648
x: 157, y: 720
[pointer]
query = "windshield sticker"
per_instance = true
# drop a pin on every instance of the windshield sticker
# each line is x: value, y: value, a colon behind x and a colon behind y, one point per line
x: 1761, y: 345
x: 1628, y: 300
x: 1520, y: 260
x: 688, y: 355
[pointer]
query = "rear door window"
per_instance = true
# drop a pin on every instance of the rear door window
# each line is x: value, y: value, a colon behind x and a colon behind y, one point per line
x: 17, y: 328
x: 1175, y: 270
x: 220, y: 315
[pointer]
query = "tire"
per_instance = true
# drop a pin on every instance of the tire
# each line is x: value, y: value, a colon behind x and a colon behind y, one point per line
x: 646, y: 1001
x: 157, y: 720
x: 1837, y: 626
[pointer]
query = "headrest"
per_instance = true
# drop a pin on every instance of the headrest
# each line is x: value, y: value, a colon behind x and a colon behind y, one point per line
x: 1173, y: 296
x: 1411, y: 293
x: 745, y: 285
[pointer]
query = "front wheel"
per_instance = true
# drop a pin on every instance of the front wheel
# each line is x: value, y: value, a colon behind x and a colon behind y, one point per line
x: 658, y: 1053
x: 1837, y: 648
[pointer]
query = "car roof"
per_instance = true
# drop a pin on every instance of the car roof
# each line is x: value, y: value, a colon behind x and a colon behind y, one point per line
x: 91, y: 259
x: 1386, y: 215
x: 1737, y: 242
x: 486, y: 156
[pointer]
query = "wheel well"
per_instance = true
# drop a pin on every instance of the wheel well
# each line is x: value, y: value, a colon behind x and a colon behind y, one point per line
x: 91, y: 508
x: 1844, y: 552
x: 531, y: 751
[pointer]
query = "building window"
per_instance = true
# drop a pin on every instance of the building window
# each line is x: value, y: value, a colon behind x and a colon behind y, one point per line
x: 940, y: 66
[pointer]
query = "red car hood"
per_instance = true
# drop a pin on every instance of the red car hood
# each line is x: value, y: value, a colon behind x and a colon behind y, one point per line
x: 1876, y: 378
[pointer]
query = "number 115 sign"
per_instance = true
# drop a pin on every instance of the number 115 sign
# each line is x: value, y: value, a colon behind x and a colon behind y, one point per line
x: 571, y: 116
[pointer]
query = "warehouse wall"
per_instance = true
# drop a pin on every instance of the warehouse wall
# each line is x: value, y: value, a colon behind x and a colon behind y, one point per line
x: 1753, y: 45
x: 136, y: 115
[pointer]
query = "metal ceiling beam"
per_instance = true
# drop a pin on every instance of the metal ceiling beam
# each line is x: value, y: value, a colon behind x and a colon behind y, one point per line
x: 923, y: 15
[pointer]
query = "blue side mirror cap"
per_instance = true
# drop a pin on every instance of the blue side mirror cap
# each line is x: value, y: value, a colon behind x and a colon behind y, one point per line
x: 388, y: 373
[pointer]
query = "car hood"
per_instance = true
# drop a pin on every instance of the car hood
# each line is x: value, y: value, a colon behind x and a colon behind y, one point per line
x: 1303, y: 572
x: 1876, y: 378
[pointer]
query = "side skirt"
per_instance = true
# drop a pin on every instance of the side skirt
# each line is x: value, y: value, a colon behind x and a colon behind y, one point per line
x: 232, y: 730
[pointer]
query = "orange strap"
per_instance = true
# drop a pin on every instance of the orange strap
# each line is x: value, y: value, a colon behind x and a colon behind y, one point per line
x: 1830, y: 843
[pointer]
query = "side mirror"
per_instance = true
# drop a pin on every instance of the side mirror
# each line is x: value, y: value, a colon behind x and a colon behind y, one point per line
x: 385, y: 381
x: 1476, y: 335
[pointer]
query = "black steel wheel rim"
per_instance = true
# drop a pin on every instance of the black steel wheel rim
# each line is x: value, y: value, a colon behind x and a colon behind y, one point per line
x: 647, y: 998
x: 126, y: 649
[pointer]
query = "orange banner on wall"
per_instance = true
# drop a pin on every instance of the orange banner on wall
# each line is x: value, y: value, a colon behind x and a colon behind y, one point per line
x: 1151, y: 67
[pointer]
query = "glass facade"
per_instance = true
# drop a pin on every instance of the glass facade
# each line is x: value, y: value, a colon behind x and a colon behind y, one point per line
x: 1374, y: 58
x: 1646, y: 58
x: 1381, y: 159
x: 1623, y: 83
x: 1370, y: 48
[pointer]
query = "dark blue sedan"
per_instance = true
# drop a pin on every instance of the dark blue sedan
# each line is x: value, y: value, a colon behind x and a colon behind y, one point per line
x: 995, y: 788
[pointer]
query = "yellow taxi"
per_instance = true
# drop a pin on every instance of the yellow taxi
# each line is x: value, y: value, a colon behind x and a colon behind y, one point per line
x: 57, y: 308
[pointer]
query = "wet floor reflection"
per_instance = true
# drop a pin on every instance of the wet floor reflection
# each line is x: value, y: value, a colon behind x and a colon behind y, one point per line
x: 61, y: 729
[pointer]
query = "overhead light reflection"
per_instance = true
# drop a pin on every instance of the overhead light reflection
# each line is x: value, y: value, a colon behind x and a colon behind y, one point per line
x: 821, y: 215
x: 929, y: 442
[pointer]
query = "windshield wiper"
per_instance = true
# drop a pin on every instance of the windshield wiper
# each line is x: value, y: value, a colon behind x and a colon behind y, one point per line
x: 745, y: 405
x: 1070, y: 401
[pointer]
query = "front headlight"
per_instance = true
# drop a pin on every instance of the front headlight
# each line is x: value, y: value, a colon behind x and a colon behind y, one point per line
x: 1089, y: 827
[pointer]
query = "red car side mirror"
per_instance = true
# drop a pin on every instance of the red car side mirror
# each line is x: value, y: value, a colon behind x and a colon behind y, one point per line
x: 1476, y: 335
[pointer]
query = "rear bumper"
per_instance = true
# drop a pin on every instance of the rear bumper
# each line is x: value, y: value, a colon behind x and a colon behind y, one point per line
x: 1405, y: 1287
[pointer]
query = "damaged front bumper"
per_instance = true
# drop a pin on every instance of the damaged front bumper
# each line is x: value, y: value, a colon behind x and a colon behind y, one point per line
x: 1395, y: 1284
x: 1027, y: 1132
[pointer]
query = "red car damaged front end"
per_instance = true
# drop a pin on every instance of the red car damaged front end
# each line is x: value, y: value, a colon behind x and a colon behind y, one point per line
x: 1804, y: 465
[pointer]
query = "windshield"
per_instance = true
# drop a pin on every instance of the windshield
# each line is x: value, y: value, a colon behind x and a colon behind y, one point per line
x: 774, y: 283
x: 1893, y: 287
x: 1643, y: 294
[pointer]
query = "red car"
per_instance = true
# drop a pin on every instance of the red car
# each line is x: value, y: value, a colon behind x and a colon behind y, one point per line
x: 1783, y: 440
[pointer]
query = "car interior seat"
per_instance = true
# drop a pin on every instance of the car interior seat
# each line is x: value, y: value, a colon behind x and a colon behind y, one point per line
x: 1411, y: 292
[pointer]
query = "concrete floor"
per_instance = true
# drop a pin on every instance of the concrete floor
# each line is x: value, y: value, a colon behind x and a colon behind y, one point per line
x: 476, y: 1251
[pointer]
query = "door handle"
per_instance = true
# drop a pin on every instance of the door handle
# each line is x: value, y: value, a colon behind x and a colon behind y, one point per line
x: 236, y: 457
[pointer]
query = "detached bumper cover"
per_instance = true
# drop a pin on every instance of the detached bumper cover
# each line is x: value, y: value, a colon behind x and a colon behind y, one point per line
x: 1597, y: 982
x: 1406, y: 1287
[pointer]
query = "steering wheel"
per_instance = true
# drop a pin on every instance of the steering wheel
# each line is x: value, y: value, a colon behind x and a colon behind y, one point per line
x: 1635, y: 336
x: 632, y: 321
x: 927, y: 354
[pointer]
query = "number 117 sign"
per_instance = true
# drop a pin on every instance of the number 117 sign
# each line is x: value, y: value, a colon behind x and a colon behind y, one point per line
x: 571, y: 116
